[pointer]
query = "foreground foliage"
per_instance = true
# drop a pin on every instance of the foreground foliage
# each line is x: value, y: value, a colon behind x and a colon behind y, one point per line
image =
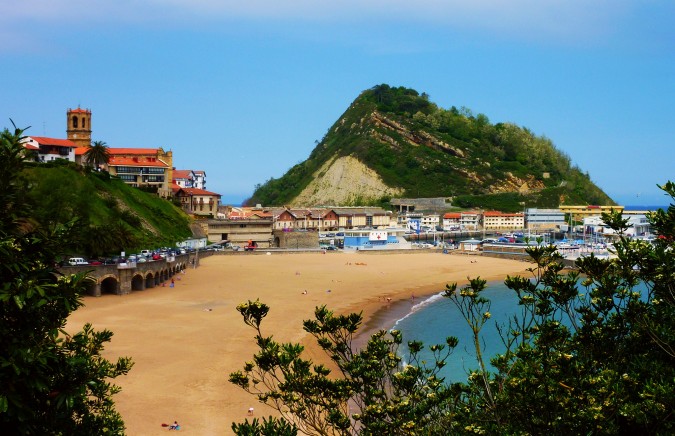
x: 591, y: 351
x: 51, y: 382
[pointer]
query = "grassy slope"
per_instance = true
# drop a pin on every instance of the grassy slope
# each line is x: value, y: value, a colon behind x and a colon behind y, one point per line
x: 62, y: 192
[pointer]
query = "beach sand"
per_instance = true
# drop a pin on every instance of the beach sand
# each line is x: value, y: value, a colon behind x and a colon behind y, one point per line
x: 186, y: 340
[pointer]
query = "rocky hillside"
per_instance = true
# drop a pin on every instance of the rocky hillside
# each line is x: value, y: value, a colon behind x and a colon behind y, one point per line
x: 394, y: 142
x: 345, y: 180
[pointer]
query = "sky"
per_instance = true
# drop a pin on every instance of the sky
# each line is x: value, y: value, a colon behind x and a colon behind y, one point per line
x: 243, y: 90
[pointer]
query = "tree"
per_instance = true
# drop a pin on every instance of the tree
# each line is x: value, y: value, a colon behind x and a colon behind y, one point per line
x: 97, y: 154
x: 592, y: 351
x: 52, y: 382
x: 372, y: 393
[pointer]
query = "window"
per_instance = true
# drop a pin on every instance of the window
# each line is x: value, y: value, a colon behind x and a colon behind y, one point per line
x: 129, y: 170
x: 74, y: 122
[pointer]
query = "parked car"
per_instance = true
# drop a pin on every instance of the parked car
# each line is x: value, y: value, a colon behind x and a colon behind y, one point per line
x: 95, y: 262
x: 76, y: 261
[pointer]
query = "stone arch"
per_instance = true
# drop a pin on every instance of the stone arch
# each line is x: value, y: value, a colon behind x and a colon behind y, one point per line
x: 92, y: 286
x: 137, y: 282
x: 109, y: 285
x: 149, y: 280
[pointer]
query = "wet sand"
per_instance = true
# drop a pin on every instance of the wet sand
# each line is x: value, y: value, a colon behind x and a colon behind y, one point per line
x: 186, y: 340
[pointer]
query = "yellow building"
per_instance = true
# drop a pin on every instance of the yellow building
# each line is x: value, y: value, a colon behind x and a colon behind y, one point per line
x: 580, y: 212
x: 493, y: 220
x: 141, y: 167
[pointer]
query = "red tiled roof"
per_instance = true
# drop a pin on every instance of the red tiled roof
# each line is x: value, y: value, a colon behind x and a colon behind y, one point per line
x: 197, y: 191
x: 31, y: 146
x: 116, y: 161
x: 82, y: 111
x: 144, y: 151
x: 452, y: 215
x: 80, y: 151
x: 181, y: 174
x: 55, y: 142
x: 243, y: 213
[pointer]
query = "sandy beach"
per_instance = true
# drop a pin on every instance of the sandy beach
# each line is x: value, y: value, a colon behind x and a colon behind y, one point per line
x: 186, y: 340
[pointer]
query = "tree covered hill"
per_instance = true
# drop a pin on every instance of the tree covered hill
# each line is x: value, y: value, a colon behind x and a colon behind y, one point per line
x: 111, y: 216
x: 394, y: 142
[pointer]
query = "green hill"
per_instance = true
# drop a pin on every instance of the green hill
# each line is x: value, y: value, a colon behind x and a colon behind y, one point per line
x: 111, y: 216
x: 394, y: 142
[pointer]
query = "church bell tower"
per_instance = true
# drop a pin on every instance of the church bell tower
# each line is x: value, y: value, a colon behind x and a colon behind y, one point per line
x: 79, y: 126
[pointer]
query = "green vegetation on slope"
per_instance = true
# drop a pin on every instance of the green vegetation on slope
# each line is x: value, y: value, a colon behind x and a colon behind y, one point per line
x: 431, y: 152
x: 111, y: 216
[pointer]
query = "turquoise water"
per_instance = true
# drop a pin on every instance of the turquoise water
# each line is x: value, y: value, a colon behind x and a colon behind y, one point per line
x: 436, y: 318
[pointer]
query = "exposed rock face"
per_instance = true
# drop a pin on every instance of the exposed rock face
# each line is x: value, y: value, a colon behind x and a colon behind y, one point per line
x: 515, y: 184
x: 344, y: 181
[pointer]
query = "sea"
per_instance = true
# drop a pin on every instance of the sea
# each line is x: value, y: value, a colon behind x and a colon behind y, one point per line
x: 435, y: 318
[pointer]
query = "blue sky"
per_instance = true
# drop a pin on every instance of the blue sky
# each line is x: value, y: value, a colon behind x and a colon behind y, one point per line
x: 243, y: 90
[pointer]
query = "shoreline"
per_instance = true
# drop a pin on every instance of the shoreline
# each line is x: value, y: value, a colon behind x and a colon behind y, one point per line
x: 186, y: 340
x: 386, y: 317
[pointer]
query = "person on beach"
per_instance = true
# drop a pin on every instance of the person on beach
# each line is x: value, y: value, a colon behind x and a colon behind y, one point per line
x: 174, y: 426
x: 250, y: 411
